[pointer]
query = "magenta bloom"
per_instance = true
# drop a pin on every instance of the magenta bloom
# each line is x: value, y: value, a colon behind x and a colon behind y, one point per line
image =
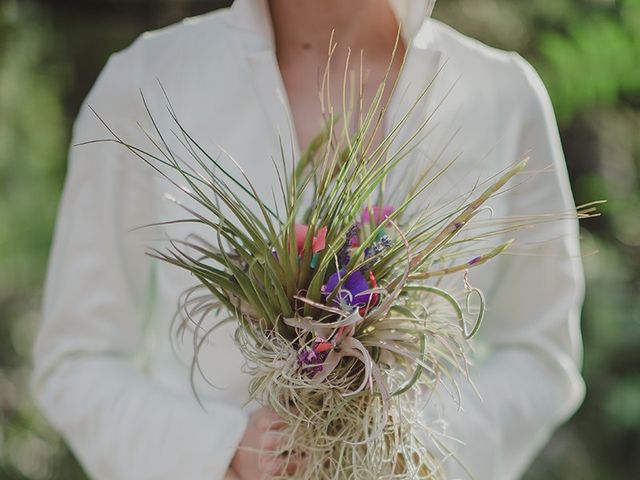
x: 309, y: 357
x: 351, y: 291
x: 379, y: 213
x: 314, y: 357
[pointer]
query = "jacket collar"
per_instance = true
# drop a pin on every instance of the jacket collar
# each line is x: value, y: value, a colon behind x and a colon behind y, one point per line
x: 253, y: 16
x: 251, y: 21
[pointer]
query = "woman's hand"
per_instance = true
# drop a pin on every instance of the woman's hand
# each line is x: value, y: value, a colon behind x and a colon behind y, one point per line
x: 231, y: 475
x: 255, y: 458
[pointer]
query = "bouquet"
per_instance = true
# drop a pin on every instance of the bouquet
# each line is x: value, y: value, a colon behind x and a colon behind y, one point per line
x: 344, y: 330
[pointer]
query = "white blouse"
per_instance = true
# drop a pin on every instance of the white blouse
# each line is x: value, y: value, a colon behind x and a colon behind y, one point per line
x: 110, y: 374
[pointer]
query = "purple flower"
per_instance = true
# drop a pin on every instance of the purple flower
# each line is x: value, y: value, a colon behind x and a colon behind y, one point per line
x: 351, y: 240
x: 351, y: 291
x: 474, y: 260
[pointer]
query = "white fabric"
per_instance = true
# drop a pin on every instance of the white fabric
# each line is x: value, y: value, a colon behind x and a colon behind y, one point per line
x: 106, y: 373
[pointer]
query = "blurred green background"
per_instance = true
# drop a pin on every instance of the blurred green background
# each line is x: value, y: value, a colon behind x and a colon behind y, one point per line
x: 588, y: 53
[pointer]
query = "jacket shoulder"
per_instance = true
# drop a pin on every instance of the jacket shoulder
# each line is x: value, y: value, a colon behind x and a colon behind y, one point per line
x: 455, y: 43
x: 184, y: 30
x: 172, y: 42
x: 503, y: 77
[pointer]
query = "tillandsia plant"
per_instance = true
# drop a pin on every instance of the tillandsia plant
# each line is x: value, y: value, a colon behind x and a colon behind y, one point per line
x: 342, y: 329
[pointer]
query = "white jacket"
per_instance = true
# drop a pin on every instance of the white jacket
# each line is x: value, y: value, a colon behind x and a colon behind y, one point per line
x: 109, y: 373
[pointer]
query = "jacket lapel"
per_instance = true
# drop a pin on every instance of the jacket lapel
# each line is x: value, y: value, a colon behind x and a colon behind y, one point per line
x: 269, y: 84
x: 251, y: 25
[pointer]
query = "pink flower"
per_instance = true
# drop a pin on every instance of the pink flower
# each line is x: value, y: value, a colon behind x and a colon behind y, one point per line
x: 318, y: 243
x: 379, y: 213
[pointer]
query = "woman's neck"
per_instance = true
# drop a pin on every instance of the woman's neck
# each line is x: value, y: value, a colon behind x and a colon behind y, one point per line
x: 302, y: 29
x: 307, y: 25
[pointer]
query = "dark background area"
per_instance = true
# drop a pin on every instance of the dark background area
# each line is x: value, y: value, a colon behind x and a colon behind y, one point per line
x: 588, y: 53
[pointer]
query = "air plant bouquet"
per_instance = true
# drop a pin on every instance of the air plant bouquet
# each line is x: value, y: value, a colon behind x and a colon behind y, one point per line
x: 338, y: 317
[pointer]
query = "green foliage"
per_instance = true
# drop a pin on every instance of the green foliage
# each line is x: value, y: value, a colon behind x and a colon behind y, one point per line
x: 33, y: 141
x: 594, y: 62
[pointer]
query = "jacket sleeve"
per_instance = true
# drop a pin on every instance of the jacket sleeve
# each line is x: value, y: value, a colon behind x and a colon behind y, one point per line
x: 528, y: 382
x: 119, y: 422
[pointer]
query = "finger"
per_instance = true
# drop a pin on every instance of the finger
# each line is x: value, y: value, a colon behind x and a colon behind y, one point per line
x: 292, y: 467
x: 231, y: 475
x: 271, y: 442
x: 277, y: 425
x: 270, y: 420
x: 278, y: 465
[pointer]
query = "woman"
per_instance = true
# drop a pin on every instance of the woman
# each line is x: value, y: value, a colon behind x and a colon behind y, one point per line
x: 106, y: 373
